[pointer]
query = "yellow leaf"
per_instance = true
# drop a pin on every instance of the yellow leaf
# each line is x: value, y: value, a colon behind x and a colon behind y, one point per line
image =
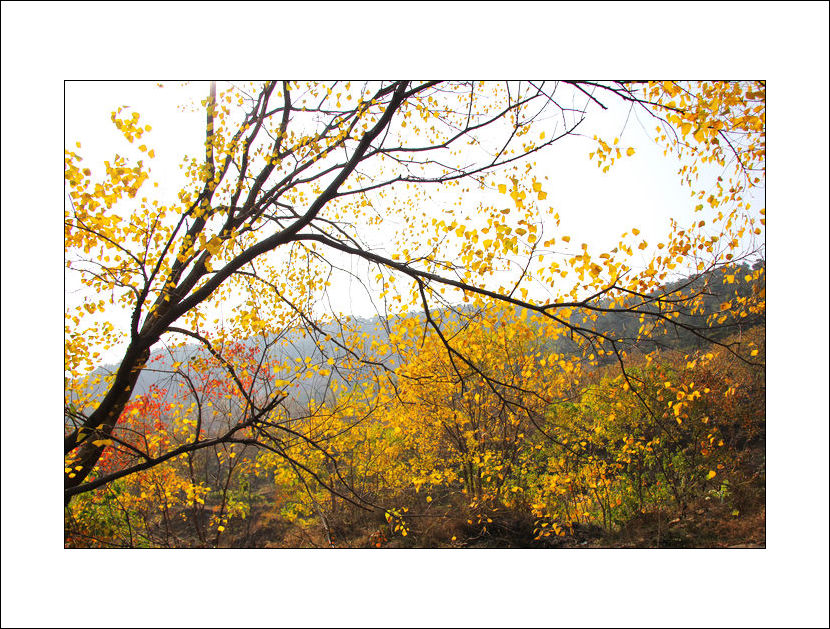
x: 630, y: 151
x: 711, y: 474
x: 502, y: 188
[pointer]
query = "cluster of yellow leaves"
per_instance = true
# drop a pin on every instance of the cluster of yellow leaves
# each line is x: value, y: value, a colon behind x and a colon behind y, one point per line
x: 726, y: 121
x: 607, y: 154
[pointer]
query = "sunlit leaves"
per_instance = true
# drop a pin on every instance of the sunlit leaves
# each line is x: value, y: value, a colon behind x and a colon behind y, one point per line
x: 726, y: 121
x: 606, y: 154
x: 425, y: 197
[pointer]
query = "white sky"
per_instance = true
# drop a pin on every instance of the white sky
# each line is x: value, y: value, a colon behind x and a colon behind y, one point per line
x: 45, y: 43
x: 643, y: 190
x: 595, y: 207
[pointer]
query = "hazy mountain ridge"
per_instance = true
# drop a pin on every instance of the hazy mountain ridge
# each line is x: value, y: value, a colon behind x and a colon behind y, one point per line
x: 325, y: 342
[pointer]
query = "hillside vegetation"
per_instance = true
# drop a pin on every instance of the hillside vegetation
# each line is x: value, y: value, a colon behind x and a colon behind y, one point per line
x: 531, y: 440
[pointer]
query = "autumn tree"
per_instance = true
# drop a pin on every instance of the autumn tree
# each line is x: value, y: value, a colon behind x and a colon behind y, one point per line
x: 304, y: 186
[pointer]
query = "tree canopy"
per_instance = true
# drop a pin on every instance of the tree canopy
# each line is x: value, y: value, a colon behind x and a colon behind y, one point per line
x: 424, y: 192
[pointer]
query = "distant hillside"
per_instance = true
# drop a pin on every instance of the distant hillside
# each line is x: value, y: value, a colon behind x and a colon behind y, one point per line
x: 326, y: 342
